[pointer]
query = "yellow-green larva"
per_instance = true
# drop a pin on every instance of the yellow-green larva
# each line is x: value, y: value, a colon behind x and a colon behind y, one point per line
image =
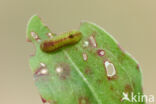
x: 60, y: 41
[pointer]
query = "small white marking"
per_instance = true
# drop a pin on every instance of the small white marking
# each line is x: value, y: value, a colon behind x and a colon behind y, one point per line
x: 85, y: 44
x: 102, y: 53
x: 44, y: 71
x: 50, y: 35
x: 93, y: 42
x: 85, y: 57
x: 42, y: 64
x: 35, y: 36
x: 59, y: 69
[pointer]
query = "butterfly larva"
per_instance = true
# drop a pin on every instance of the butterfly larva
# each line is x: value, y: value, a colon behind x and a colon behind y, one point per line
x: 60, y: 41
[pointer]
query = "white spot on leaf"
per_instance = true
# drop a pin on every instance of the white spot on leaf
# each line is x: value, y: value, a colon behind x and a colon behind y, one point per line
x: 42, y: 64
x: 63, y: 71
x: 85, y: 57
x: 59, y: 69
x: 101, y: 52
x: 110, y: 69
x: 44, y: 71
x: 85, y: 44
x: 50, y: 35
x: 35, y: 36
x: 93, y: 41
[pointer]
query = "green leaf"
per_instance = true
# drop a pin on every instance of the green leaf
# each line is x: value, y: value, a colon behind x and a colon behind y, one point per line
x: 93, y: 71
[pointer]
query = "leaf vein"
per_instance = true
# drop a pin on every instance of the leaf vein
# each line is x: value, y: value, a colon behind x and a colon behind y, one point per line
x: 84, y: 79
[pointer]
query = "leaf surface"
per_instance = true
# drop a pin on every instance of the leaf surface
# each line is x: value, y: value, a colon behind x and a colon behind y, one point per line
x: 93, y: 71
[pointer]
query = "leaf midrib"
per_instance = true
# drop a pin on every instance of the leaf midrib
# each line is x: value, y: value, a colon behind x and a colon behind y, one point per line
x: 83, y: 77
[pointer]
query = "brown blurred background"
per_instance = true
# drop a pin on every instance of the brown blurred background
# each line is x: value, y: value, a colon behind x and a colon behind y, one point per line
x: 131, y: 22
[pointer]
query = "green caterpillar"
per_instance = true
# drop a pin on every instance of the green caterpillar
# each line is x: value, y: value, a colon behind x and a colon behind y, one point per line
x: 60, y: 41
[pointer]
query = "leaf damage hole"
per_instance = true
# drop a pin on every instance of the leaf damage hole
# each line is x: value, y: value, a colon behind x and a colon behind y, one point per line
x: 101, y: 52
x: 92, y: 41
x: 35, y: 36
x: 110, y: 69
x: 85, y: 57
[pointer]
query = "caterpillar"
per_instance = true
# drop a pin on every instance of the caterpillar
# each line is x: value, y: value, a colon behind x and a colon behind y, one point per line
x: 59, y: 41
